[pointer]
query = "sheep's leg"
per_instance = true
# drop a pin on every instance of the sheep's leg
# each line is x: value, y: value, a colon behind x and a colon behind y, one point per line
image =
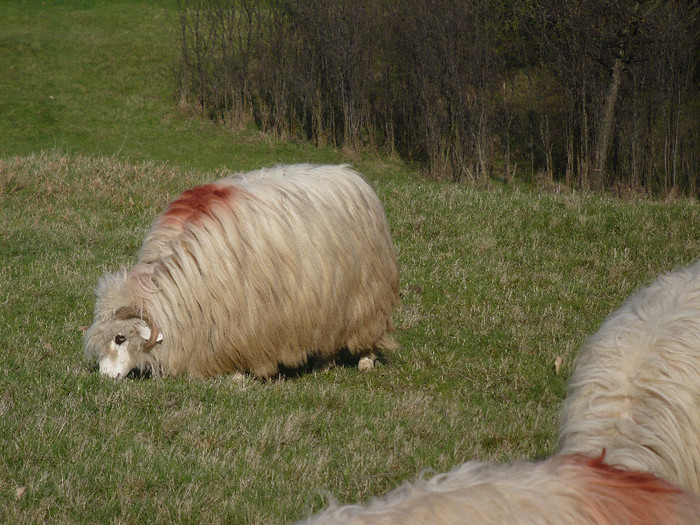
x: 366, y: 363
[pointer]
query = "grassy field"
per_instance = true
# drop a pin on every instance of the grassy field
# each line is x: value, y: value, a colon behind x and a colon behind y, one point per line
x: 95, y: 77
x: 496, y: 283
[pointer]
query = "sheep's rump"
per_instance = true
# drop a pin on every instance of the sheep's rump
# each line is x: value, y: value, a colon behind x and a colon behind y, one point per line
x: 571, y: 490
x: 269, y: 268
x: 635, y: 389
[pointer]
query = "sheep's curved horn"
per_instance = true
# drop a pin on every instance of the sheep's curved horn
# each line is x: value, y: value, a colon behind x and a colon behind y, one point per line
x: 129, y: 312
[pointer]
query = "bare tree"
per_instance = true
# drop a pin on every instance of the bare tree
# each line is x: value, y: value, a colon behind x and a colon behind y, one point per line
x: 596, y: 94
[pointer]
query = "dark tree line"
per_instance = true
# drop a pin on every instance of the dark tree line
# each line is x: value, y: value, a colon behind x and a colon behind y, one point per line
x: 596, y: 94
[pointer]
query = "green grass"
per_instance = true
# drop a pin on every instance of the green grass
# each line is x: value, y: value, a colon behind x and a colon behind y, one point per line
x: 496, y: 282
x: 95, y: 77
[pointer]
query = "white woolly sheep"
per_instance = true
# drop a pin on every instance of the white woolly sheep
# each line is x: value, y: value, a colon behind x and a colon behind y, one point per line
x: 635, y: 389
x: 250, y: 273
x: 563, y: 490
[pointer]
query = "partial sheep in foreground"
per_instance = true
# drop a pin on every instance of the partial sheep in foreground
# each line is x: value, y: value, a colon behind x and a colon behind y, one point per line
x: 252, y: 272
x: 563, y: 490
x: 635, y: 389
x: 635, y: 393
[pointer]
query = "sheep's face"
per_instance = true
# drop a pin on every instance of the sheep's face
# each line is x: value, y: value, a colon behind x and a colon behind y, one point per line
x: 122, y: 335
x: 117, y: 346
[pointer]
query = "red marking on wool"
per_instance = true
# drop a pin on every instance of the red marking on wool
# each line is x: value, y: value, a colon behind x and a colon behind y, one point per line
x: 617, y: 478
x: 612, y: 493
x: 193, y: 204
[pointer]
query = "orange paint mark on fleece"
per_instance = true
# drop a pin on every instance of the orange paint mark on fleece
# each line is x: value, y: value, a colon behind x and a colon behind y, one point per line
x: 613, y: 495
x: 197, y: 202
x: 617, y: 478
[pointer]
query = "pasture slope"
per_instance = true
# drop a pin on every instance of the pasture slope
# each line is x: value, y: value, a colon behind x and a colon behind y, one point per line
x: 496, y: 283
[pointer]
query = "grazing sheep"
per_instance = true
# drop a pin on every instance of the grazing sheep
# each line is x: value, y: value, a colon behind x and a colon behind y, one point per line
x: 635, y: 389
x: 252, y: 272
x: 571, y: 490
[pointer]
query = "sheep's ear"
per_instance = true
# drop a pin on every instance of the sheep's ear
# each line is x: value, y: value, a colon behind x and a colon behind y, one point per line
x: 145, y: 332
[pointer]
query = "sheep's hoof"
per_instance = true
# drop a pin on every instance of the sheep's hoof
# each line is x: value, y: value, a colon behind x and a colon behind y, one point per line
x: 366, y: 363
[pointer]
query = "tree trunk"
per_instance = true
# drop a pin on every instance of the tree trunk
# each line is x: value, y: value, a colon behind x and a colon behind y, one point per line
x: 584, y: 175
x: 508, y: 120
x: 606, y: 124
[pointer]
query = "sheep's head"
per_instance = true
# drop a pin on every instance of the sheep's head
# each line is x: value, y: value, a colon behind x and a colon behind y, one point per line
x: 120, y: 339
x: 121, y: 344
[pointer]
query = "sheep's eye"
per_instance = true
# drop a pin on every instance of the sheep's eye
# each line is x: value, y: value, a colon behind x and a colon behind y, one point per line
x: 119, y: 339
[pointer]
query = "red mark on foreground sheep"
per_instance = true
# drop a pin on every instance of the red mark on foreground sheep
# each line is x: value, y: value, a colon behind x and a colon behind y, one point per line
x: 570, y: 490
x: 252, y: 272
